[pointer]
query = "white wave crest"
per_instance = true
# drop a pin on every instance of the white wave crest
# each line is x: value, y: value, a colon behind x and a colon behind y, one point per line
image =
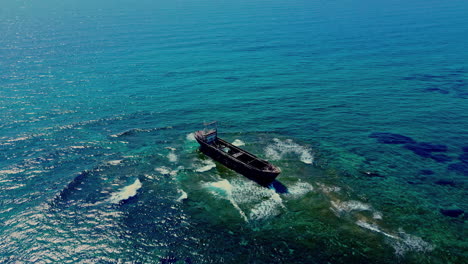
x: 206, y: 166
x: 238, y: 143
x: 126, y: 192
x: 281, y: 148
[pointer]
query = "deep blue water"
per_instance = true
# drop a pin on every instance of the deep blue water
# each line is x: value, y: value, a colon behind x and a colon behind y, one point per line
x: 98, y: 100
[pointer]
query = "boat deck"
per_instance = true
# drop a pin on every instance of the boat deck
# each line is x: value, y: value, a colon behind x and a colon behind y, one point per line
x: 241, y: 155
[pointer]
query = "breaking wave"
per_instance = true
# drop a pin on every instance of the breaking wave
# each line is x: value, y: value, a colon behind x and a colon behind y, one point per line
x: 281, y: 148
x: 126, y: 192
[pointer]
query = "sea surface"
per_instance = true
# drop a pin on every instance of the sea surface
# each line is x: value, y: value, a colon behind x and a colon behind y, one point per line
x: 362, y: 104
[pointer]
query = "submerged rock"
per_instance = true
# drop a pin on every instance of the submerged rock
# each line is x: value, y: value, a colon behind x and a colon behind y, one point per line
x: 372, y: 174
x: 463, y: 157
x: 441, y: 158
x: 426, y: 172
x: 425, y: 149
x: 460, y: 167
x: 436, y: 89
x: 391, y: 138
x: 452, y: 212
x: 445, y: 182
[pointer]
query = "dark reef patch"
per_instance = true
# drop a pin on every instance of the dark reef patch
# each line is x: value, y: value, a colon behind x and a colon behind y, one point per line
x: 373, y: 174
x: 436, y: 89
x: 425, y: 149
x: 460, y: 167
x: 391, y: 138
x: 442, y: 158
x: 445, y: 182
x: 445, y: 82
x: 465, y: 149
x: 426, y: 172
x: 463, y: 157
x: 231, y: 78
x: 452, y: 212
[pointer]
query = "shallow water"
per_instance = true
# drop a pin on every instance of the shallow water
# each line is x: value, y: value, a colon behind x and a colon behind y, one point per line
x: 99, y: 100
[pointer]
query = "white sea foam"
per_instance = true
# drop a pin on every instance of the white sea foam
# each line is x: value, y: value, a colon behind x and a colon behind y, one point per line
x: 114, y: 162
x: 409, y: 242
x: 377, y: 215
x: 167, y: 171
x: 262, y: 202
x: 299, y: 189
x: 375, y: 228
x: 328, y: 189
x: 272, y: 154
x: 401, y: 242
x: 77, y: 147
x: 12, y: 171
x: 183, y: 196
x: 224, y: 189
x: 163, y: 170
x: 348, y: 206
x: 206, y: 166
x: 172, y: 157
x: 17, y: 139
x: 238, y: 143
x: 247, y: 196
x: 126, y: 192
x: 281, y: 148
x: 190, y: 137
x: 267, y: 208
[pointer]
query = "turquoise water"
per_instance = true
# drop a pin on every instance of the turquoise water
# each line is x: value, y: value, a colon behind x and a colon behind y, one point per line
x: 98, y: 100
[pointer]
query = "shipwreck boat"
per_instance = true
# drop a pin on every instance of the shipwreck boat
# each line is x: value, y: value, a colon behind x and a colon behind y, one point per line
x: 234, y: 157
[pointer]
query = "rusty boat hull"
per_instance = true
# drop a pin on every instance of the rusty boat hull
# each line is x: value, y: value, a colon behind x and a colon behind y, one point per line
x: 236, y: 158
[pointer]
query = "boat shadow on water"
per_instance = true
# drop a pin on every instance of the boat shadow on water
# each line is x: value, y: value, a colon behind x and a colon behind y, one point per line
x: 278, y: 187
